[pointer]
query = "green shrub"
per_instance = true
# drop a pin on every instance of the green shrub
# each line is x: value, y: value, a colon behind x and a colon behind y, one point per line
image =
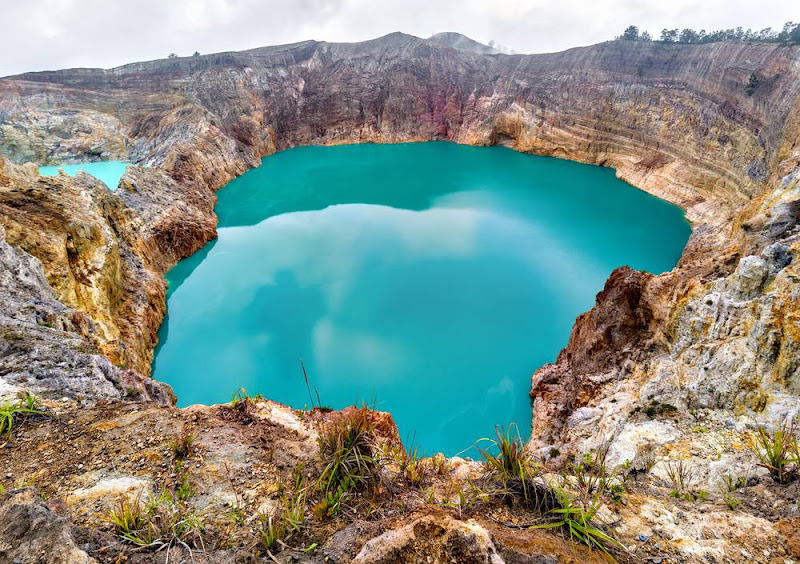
x: 657, y: 409
x: 752, y: 84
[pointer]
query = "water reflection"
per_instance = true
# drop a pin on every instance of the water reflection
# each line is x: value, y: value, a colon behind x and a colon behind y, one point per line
x: 392, y: 304
x: 287, y: 313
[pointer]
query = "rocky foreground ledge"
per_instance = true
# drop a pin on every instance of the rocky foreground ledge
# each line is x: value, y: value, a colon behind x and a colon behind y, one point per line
x: 212, y: 481
x: 645, y: 422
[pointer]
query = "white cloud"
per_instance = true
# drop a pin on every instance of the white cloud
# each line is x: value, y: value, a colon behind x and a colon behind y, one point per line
x: 48, y: 34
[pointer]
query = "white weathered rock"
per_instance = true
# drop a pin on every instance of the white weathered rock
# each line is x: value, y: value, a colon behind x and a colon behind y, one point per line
x: 751, y: 275
x: 112, y: 487
x: 432, y: 539
x: 634, y: 437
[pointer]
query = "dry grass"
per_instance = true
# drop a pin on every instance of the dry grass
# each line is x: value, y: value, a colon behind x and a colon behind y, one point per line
x: 511, y: 466
x: 679, y: 478
x: 348, y: 452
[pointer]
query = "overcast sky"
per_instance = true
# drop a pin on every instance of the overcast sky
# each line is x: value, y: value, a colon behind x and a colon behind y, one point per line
x: 51, y: 34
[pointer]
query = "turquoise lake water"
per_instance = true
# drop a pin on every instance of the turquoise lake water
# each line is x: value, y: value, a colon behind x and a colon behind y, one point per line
x: 428, y: 279
x: 108, y: 172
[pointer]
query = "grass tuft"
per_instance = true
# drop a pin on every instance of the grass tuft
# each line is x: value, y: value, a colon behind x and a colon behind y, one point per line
x: 511, y: 465
x: 128, y: 517
x: 347, y: 447
x: 271, y: 532
x: 593, y: 477
x: 288, y: 521
x: 413, y: 469
x: 777, y: 451
x: 12, y: 413
x: 348, y: 452
x: 577, y: 522
x: 181, y: 446
x: 161, y: 523
x: 730, y: 499
x: 730, y: 483
x: 679, y: 478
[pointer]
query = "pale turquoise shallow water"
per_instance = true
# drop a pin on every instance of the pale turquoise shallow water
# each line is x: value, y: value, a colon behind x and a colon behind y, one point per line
x: 431, y: 279
x: 108, y: 172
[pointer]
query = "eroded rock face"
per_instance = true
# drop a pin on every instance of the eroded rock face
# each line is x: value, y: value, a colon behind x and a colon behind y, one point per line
x: 49, y: 349
x: 713, y: 346
x: 32, y: 533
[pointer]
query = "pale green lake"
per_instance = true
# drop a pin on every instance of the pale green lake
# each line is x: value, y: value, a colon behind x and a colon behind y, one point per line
x: 108, y: 172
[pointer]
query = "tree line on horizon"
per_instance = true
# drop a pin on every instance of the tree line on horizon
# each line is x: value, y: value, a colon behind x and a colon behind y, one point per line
x: 789, y: 35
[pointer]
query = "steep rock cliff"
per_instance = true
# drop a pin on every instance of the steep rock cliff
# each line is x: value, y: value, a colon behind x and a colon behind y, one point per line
x: 673, y: 120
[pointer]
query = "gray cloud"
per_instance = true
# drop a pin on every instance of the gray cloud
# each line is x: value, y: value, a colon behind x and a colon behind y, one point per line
x: 49, y: 34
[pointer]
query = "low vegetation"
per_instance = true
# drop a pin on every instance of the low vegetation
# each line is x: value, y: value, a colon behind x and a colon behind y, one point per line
x: 413, y: 469
x: 577, y: 522
x: 241, y: 407
x: 656, y: 409
x: 593, y: 477
x: 242, y: 399
x: 513, y: 468
x: 181, y: 446
x: 128, y: 518
x: 11, y: 413
x: 360, y: 474
x: 279, y: 528
x: 777, y: 451
x: 679, y: 478
x: 728, y: 485
x: 348, y: 451
x: 162, y: 523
